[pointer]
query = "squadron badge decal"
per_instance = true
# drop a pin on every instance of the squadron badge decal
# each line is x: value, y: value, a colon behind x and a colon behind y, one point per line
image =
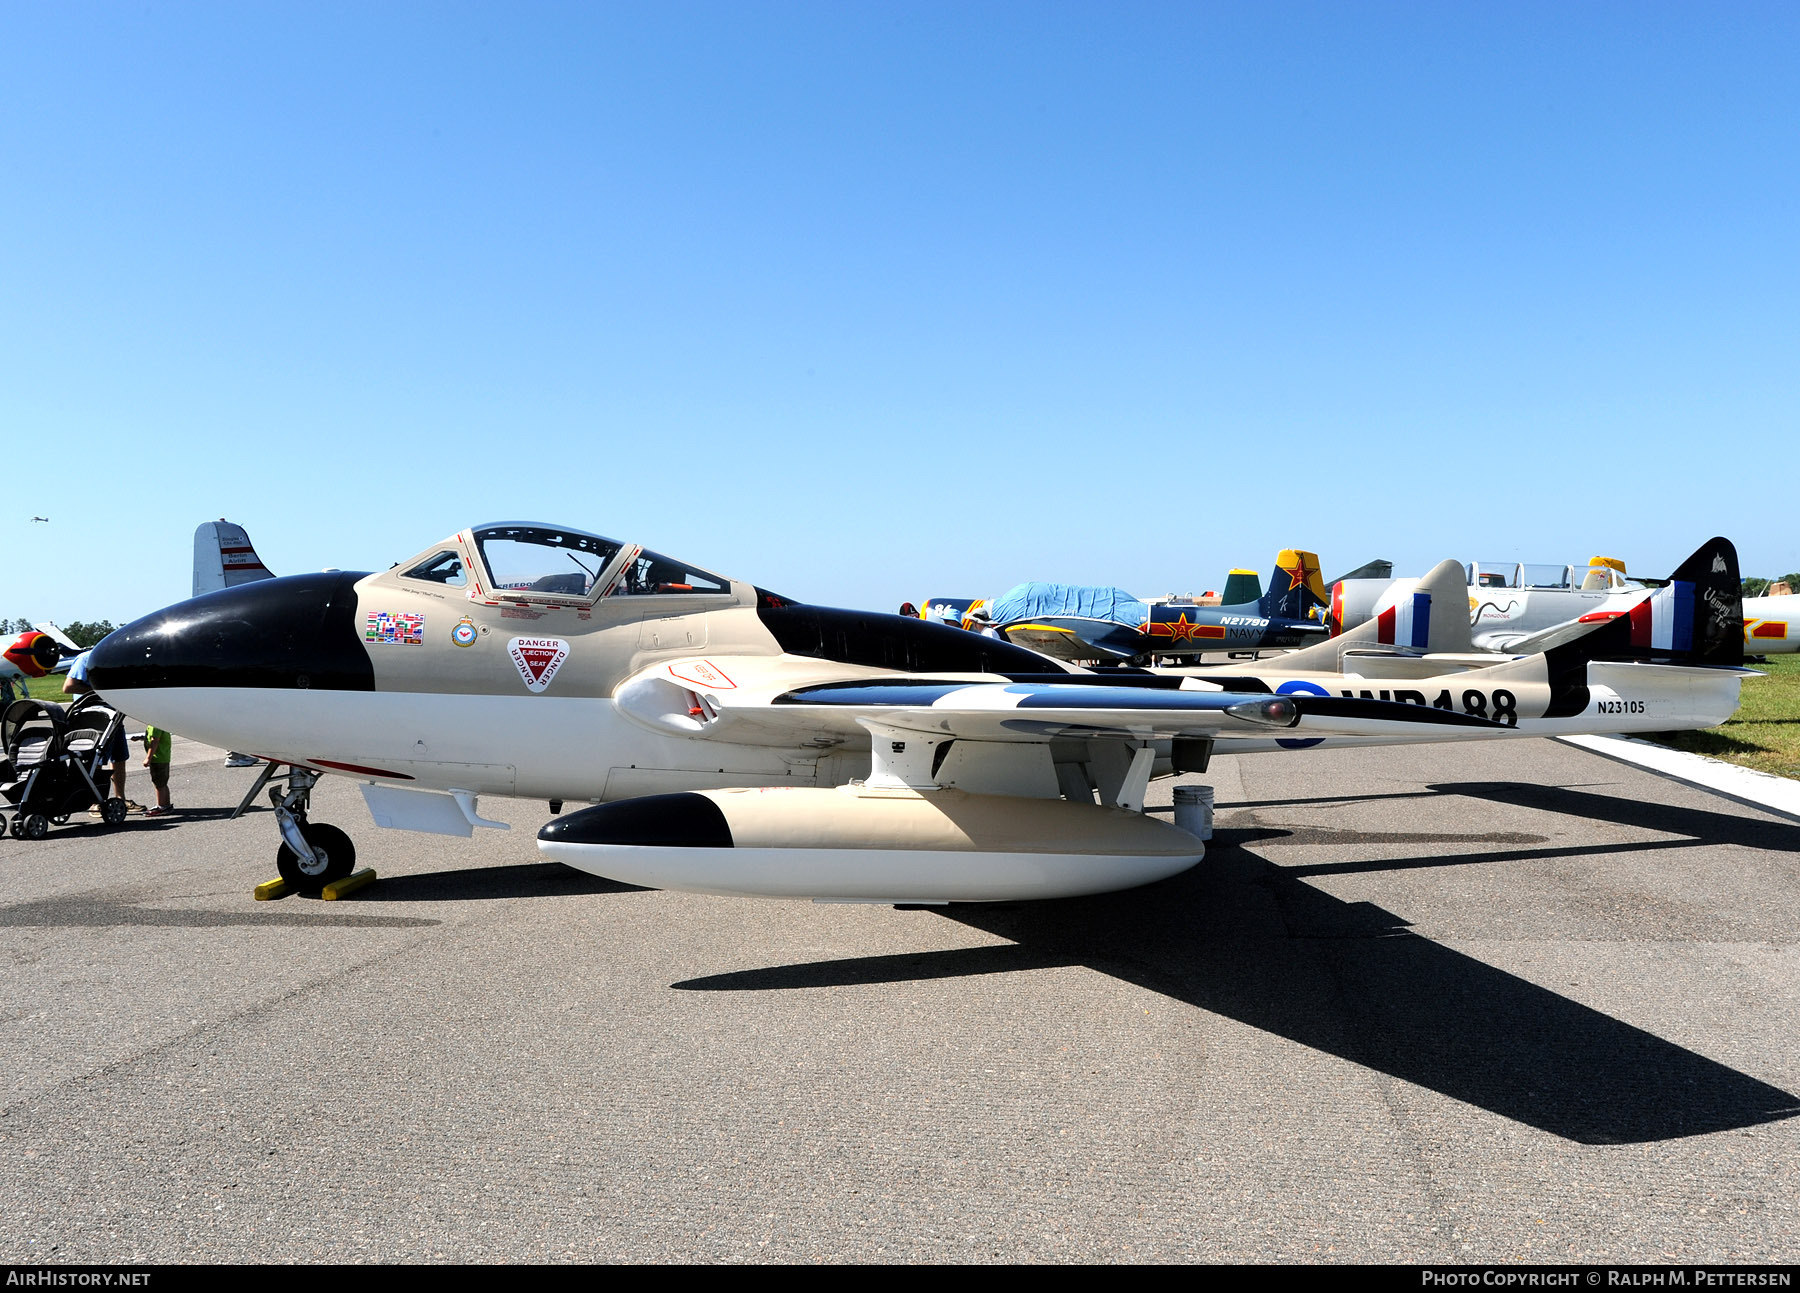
x: 464, y: 632
x: 537, y: 659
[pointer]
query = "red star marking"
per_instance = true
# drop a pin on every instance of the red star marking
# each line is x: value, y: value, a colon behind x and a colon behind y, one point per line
x: 1179, y: 631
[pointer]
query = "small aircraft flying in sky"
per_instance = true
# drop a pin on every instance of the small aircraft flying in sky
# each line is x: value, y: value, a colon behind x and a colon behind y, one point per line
x: 1076, y: 622
x: 737, y: 742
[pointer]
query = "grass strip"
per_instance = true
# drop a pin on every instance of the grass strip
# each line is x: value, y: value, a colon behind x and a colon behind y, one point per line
x: 1764, y: 733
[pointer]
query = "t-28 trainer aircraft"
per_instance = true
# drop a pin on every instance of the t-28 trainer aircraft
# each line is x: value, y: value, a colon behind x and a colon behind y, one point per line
x: 735, y: 742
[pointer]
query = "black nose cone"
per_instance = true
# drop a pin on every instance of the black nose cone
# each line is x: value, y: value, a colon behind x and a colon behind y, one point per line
x: 298, y: 631
x: 683, y: 820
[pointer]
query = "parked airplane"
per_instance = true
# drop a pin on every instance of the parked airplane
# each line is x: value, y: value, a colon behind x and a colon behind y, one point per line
x: 1507, y: 602
x: 729, y: 723
x: 1076, y: 622
x: 1772, y: 624
x: 1510, y: 603
x: 37, y: 653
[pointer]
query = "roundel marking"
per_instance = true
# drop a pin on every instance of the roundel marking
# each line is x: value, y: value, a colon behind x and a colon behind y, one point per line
x: 1296, y: 687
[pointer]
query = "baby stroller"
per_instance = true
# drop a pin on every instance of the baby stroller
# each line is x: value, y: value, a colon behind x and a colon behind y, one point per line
x: 55, y: 763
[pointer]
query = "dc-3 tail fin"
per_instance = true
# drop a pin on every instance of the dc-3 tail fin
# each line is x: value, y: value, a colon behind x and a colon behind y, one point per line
x: 1697, y: 618
x: 1295, y: 589
x: 223, y: 558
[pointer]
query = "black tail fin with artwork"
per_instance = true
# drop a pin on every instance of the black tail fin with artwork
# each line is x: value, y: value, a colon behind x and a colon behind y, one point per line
x: 1696, y: 618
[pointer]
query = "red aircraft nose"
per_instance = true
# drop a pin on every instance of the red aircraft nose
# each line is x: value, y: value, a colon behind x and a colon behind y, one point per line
x: 34, y: 654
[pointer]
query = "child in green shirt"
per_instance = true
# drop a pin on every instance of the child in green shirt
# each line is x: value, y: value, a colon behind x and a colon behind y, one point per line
x: 157, y: 748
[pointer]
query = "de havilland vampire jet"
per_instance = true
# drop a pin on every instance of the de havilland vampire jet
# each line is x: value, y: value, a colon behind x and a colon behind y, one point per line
x: 736, y: 742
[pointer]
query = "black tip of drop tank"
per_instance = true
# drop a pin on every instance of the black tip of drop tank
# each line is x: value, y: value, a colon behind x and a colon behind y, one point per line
x: 683, y: 820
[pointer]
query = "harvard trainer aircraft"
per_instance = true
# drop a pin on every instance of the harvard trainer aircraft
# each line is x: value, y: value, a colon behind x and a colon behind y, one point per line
x: 736, y: 742
x: 1511, y: 603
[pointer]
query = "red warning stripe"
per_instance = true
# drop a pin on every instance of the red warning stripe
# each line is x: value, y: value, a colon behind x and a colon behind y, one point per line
x: 360, y: 770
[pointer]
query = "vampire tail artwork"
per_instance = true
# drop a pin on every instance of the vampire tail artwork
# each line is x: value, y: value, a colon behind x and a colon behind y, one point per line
x: 1695, y: 618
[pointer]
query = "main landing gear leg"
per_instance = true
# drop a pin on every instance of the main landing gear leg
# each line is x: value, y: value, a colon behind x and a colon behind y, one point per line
x: 312, y: 854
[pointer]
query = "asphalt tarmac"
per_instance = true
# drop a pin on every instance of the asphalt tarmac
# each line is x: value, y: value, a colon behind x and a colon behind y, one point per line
x: 1514, y: 1003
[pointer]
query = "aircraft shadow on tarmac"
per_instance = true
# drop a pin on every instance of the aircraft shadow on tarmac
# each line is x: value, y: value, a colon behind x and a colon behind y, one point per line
x: 531, y: 880
x: 1250, y: 940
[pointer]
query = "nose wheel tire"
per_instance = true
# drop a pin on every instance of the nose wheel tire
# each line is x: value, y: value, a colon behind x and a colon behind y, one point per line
x: 336, y: 859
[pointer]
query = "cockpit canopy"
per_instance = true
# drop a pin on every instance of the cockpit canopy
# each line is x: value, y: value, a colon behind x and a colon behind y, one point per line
x: 539, y: 559
x: 1603, y: 574
x: 534, y: 562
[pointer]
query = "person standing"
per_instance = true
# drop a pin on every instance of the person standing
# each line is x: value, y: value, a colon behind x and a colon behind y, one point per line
x: 118, y: 753
x: 158, y: 746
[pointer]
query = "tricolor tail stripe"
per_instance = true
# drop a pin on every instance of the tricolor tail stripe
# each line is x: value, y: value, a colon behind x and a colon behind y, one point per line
x: 1664, y: 621
x: 1406, y: 623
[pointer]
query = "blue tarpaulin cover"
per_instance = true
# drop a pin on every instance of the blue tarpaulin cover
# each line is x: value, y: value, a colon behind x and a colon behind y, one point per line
x: 1031, y: 601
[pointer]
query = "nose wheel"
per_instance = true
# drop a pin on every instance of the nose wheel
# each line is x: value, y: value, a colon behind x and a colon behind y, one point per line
x: 312, y: 854
x: 331, y: 857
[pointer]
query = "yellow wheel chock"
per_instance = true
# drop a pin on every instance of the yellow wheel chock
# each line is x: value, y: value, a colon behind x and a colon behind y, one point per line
x: 348, y: 885
x: 269, y: 890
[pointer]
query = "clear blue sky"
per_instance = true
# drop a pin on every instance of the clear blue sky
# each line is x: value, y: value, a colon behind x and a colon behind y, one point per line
x: 867, y: 301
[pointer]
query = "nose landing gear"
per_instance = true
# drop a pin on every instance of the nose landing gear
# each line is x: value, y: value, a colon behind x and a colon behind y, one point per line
x: 312, y: 854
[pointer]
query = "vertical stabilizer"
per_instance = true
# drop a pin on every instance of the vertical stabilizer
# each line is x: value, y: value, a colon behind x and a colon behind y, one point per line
x: 1241, y: 586
x: 223, y: 558
x: 1698, y: 616
x: 1296, y: 591
x: 1429, y: 615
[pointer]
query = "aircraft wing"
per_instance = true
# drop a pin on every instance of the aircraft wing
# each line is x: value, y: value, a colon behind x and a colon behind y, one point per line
x: 1038, y: 711
x: 756, y: 702
x: 69, y: 649
x: 964, y: 797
